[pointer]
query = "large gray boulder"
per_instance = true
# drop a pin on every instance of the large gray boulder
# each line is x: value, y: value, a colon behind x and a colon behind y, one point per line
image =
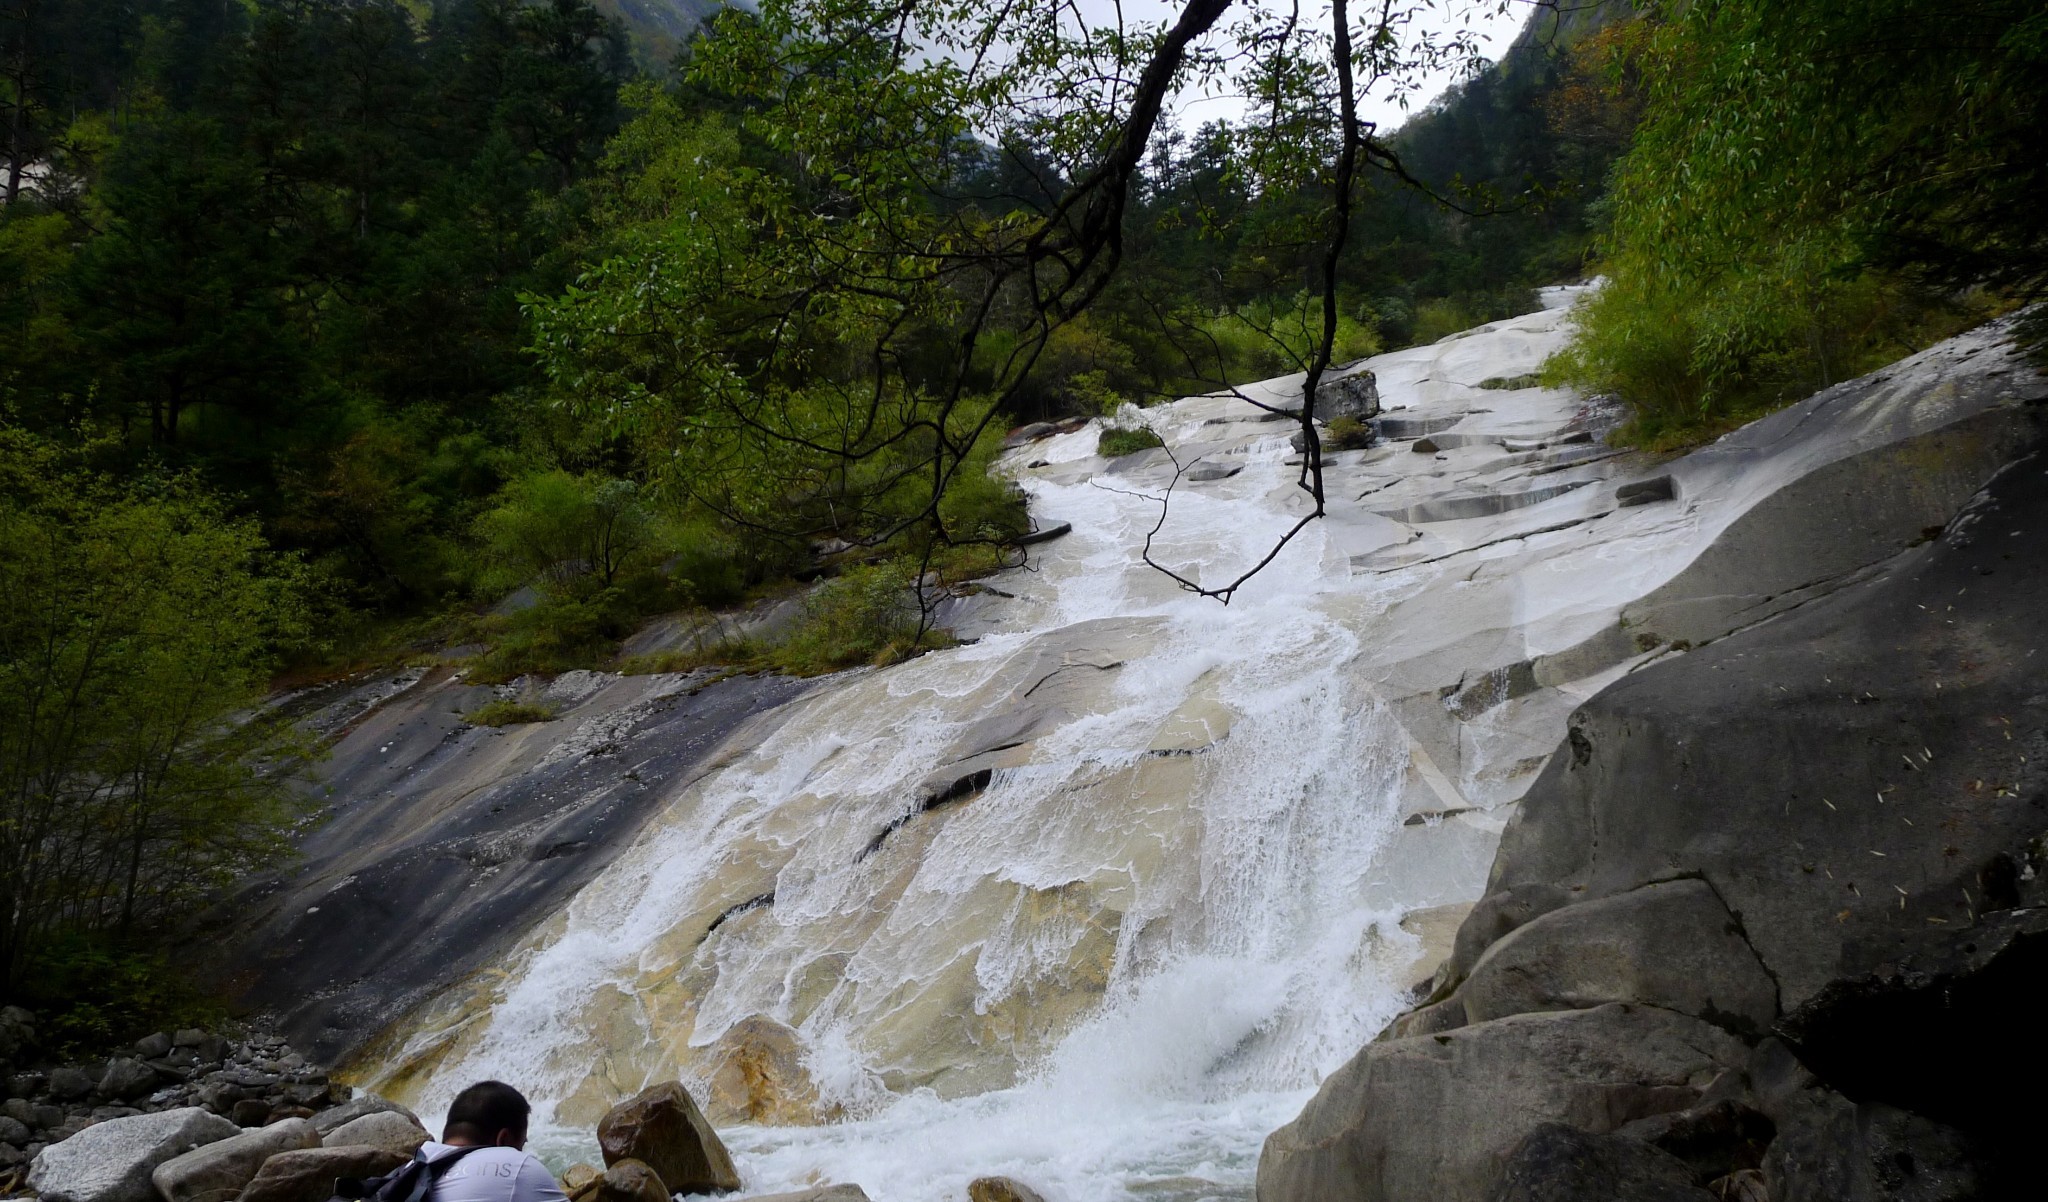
x: 1672, y: 945
x: 112, y: 1161
x: 386, y: 1129
x: 1355, y: 395
x: 216, y: 1172
x: 355, y: 1108
x: 309, y: 1175
x: 1435, y: 1117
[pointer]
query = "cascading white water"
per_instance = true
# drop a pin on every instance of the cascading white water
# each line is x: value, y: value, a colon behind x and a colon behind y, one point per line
x: 1176, y: 904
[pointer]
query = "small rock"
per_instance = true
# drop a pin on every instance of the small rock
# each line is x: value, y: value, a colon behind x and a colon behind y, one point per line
x: 10, y: 1156
x: 250, y: 1112
x: 190, y: 1037
x: 1213, y: 471
x: 69, y: 1083
x: 26, y: 1085
x: 149, y: 1047
x: 1425, y: 446
x: 386, y: 1129
x: 662, y: 1128
x: 578, y: 1175
x: 1645, y: 492
x: 219, y: 1096
x: 334, y: 1117
x: 13, y: 1130
x: 21, y: 1110
x: 126, y: 1078
x: 249, y: 1078
x: 47, y: 1116
x: 307, y: 1094
x: 279, y: 1114
x: 760, y: 1076
x: 308, y: 1175
x: 218, y: 1171
x: 823, y: 1193
x: 112, y: 1162
x: 1001, y: 1189
x: 628, y: 1181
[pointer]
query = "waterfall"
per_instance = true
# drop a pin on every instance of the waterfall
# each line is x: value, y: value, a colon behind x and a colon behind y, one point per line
x: 1094, y: 900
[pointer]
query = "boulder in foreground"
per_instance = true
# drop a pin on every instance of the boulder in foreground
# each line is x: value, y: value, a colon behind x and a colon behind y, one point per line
x: 308, y: 1175
x: 216, y: 1172
x: 1436, y: 1116
x: 386, y: 1129
x: 662, y: 1128
x: 112, y: 1161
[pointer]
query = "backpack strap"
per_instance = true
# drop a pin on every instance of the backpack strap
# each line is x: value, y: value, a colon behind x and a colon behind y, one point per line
x: 411, y: 1183
x: 424, y: 1181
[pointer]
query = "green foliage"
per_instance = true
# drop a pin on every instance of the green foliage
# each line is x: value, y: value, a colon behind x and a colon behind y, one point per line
x: 1789, y: 154
x: 1346, y: 434
x: 865, y: 614
x: 1116, y: 442
x: 560, y: 529
x: 560, y: 633
x: 137, y: 623
x: 93, y: 992
x: 501, y: 711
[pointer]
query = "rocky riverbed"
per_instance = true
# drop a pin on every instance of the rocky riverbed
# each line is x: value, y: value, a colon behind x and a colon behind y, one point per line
x: 249, y: 1078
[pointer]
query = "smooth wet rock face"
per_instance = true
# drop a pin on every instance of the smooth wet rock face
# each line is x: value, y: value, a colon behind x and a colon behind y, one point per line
x: 1436, y: 1116
x: 662, y: 1128
x: 389, y: 1130
x: 218, y: 1171
x: 448, y: 842
x: 308, y: 1175
x: 1556, y: 1163
x: 1842, y: 776
x: 112, y: 1161
x: 1672, y: 945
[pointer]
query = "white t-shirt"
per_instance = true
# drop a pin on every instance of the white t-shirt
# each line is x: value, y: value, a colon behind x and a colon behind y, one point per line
x: 492, y: 1175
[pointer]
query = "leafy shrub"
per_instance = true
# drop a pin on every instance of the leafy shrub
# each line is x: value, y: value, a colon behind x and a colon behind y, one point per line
x: 852, y: 619
x: 1347, y: 433
x: 503, y: 711
x: 556, y: 528
x: 1115, y: 442
x: 556, y: 635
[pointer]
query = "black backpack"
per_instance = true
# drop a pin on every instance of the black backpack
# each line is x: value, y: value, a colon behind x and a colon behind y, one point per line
x: 411, y: 1183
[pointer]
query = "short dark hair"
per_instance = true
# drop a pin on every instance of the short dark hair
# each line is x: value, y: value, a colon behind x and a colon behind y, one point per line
x: 484, y: 1109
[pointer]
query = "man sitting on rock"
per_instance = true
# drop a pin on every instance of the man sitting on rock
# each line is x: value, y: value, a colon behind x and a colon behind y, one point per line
x: 486, y: 1129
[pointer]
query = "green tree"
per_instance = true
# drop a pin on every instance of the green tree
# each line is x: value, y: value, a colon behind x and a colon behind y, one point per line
x: 138, y: 626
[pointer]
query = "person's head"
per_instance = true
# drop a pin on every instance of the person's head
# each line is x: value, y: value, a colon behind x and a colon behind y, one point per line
x: 488, y: 1114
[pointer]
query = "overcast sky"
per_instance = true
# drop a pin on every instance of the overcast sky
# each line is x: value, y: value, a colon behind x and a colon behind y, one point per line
x: 1496, y: 22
